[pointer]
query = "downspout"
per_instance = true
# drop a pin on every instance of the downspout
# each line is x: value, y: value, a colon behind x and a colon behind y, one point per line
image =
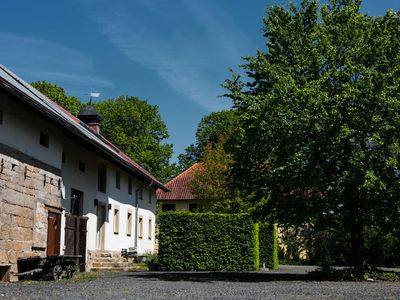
x: 137, y: 211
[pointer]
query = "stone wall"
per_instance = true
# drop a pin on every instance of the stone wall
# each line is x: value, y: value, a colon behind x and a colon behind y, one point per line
x: 28, y: 189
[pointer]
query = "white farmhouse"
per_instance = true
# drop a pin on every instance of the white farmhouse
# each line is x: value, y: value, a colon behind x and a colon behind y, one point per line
x: 65, y: 189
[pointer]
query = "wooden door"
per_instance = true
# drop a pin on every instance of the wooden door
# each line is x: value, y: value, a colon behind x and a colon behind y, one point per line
x: 75, y: 237
x: 53, y: 233
x: 101, y: 219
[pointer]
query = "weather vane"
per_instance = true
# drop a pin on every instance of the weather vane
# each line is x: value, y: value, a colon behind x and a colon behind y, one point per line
x: 93, y: 95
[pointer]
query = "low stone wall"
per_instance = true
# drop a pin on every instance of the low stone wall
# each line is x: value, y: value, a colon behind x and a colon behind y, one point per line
x: 27, y: 190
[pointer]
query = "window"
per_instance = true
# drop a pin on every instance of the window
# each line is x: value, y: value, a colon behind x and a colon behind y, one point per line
x: 150, y: 195
x: 168, y: 207
x: 118, y: 180
x: 102, y: 178
x: 140, y: 193
x: 76, y: 202
x: 44, y: 140
x: 192, y: 206
x: 140, y: 227
x: 1, y: 117
x: 63, y: 157
x: 129, y: 223
x: 82, y: 166
x: 116, y: 220
x: 150, y: 228
x: 130, y: 186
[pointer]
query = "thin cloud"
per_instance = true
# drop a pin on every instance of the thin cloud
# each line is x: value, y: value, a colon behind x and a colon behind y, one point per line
x: 35, y: 59
x: 188, y: 63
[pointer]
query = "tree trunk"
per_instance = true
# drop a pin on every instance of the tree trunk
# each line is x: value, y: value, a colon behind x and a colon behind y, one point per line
x: 357, y: 247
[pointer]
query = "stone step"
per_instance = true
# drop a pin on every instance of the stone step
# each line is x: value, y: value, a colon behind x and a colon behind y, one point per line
x: 111, y: 264
x: 109, y: 259
x: 134, y: 268
x: 105, y: 254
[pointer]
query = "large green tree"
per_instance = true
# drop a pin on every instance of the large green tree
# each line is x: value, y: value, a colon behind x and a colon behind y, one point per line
x: 136, y: 128
x: 319, y: 120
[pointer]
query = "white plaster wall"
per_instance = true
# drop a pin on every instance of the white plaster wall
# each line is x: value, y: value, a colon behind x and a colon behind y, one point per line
x: 179, y: 204
x: 86, y: 182
x: 21, y: 130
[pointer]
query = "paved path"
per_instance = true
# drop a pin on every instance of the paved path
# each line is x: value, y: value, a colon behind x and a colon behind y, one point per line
x: 199, y: 285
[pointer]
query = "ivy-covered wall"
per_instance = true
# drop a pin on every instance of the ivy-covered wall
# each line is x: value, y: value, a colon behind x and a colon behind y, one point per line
x: 207, y: 242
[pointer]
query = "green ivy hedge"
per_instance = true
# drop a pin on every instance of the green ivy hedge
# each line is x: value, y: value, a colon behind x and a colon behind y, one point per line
x: 207, y: 242
x: 268, y: 246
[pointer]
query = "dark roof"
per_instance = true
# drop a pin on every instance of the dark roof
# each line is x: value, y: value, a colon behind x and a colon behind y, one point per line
x: 89, y: 111
x: 73, y: 126
x: 179, y: 186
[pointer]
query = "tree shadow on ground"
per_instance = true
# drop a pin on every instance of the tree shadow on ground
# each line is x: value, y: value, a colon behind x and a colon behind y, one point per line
x: 221, y: 276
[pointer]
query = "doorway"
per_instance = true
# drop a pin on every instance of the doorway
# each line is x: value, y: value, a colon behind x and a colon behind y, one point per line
x: 76, y: 202
x: 53, y: 233
x: 101, y: 224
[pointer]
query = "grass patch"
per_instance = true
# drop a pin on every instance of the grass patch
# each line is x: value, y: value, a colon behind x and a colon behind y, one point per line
x: 81, y: 277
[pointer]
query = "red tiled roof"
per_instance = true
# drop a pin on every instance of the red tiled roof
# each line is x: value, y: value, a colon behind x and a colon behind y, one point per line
x: 179, y: 186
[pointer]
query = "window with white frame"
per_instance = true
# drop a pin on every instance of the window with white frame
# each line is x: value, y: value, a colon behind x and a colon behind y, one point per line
x: 129, y: 223
x: 116, y: 220
x: 150, y: 228
x: 140, y: 227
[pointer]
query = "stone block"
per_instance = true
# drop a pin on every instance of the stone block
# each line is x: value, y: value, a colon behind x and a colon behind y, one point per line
x: 18, y: 210
x: 20, y: 221
x: 5, y: 230
x: 21, y: 234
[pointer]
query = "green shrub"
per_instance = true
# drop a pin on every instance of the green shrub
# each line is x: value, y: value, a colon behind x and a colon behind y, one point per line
x: 268, y: 246
x: 207, y: 242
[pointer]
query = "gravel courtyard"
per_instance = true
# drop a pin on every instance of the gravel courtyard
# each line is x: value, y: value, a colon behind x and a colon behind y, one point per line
x: 202, y: 285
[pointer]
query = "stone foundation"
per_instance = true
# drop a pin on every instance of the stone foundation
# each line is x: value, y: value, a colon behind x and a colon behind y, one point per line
x: 28, y: 189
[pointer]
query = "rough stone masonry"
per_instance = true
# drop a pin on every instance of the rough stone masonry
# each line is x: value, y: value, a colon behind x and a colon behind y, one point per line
x: 28, y: 189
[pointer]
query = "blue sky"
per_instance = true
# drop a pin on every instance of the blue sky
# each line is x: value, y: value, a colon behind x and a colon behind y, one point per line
x: 174, y: 54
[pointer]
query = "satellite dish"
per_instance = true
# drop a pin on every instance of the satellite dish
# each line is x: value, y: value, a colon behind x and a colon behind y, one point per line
x: 62, y: 190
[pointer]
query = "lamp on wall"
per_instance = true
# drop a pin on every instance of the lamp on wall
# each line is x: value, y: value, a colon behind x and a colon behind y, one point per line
x: 109, y: 205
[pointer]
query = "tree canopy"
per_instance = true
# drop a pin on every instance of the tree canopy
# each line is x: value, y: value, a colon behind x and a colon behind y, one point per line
x: 210, y: 183
x: 58, y: 94
x: 210, y: 129
x: 136, y: 127
x: 318, y: 140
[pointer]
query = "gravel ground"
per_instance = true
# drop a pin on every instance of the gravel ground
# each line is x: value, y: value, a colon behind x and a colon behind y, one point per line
x: 200, y: 285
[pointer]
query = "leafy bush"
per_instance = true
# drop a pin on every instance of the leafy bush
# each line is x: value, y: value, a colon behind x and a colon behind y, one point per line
x: 268, y: 246
x: 207, y: 242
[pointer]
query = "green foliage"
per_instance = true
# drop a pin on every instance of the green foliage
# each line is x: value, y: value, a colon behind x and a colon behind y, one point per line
x: 136, y: 127
x: 207, y: 242
x: 209, y: 131
x: 210, y: 182
x: 57, y: 94
x: 319, y: 120
x: 268, y: 246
